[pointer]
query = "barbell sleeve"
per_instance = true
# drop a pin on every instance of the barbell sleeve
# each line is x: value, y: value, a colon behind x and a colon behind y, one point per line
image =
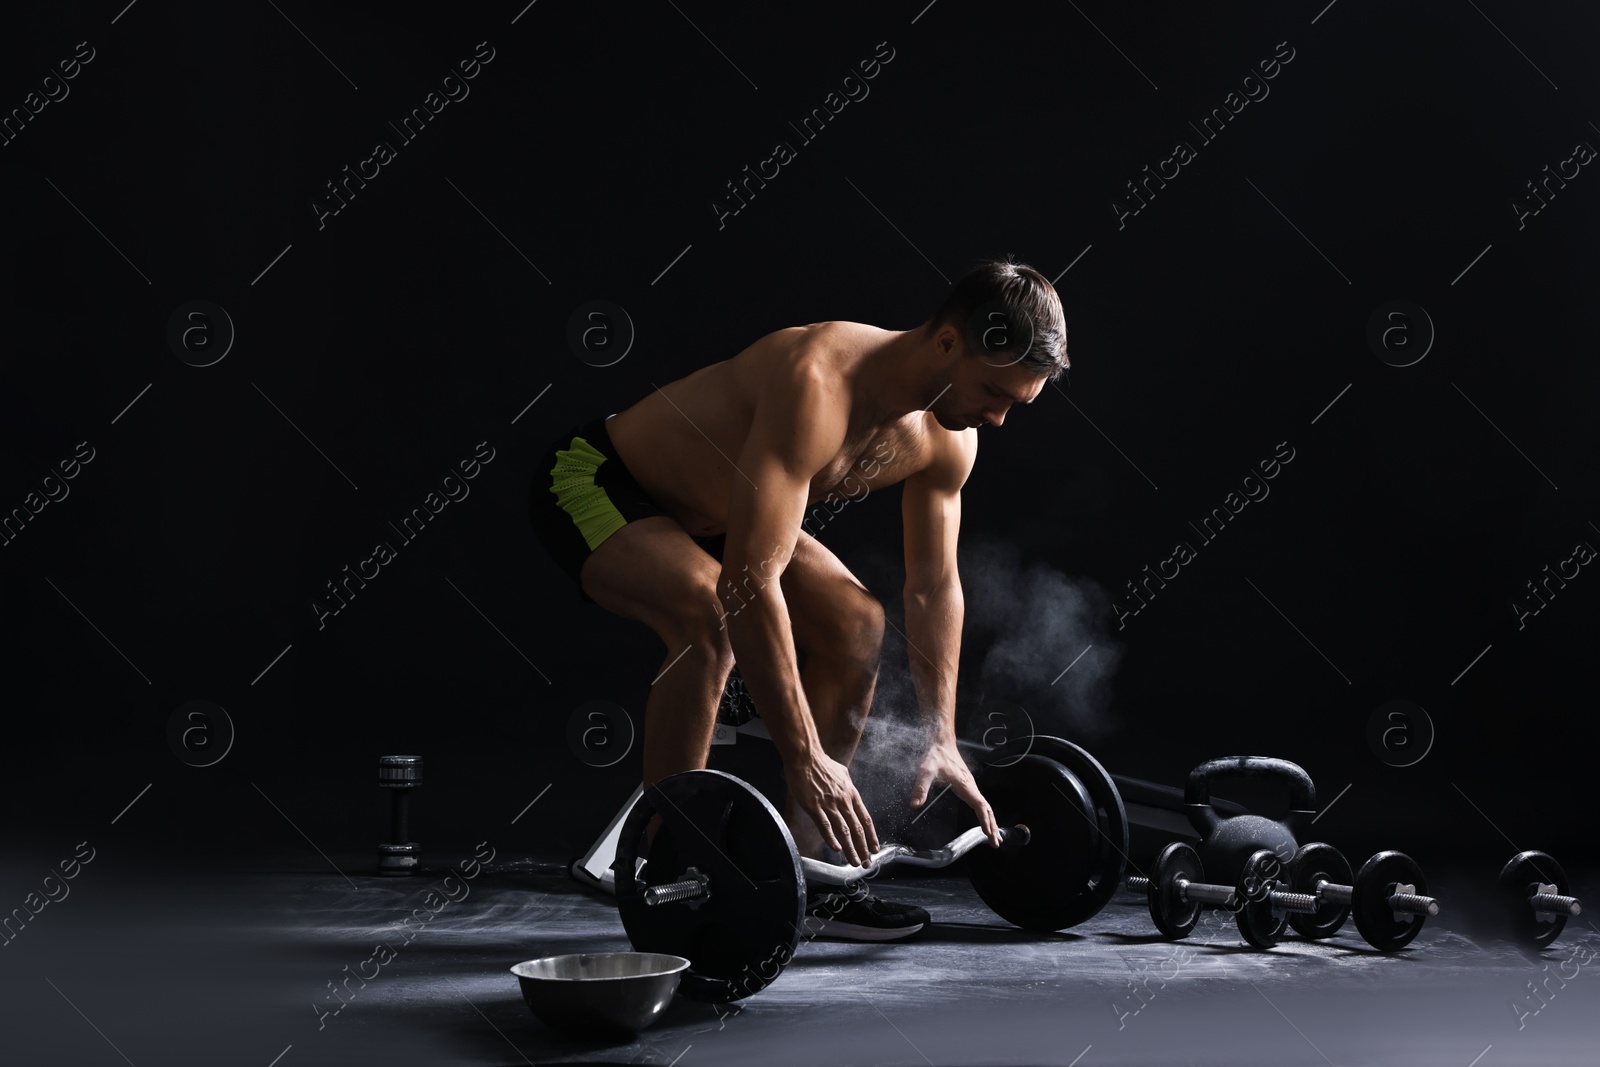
x: 693, y: 886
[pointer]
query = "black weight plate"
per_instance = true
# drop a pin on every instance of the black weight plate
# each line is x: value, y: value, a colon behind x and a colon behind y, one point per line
x: 1111, y: 815
x: 1520, y: 877
x: 1369, y: 902
x: 1174, y: 916
x: 1065, y: 874
x: 1111, y: 818
x: 1259, y: 923
x: 1313, y: 863
x: 1110, y: 845
x: 740, y: 937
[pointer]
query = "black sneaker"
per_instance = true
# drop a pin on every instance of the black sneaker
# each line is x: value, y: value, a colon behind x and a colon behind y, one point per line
x: 854, y: 914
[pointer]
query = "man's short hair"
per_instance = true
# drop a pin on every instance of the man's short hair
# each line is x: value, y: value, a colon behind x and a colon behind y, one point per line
x: 1011, y: 313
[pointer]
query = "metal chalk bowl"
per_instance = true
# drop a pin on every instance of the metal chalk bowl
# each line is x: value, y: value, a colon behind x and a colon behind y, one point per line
x: 600, y: 990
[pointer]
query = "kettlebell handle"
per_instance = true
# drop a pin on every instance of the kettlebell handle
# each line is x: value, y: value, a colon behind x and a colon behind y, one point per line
x: 1302, y: 792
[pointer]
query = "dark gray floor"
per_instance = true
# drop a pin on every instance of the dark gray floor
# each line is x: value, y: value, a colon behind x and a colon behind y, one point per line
x: 147, y: 968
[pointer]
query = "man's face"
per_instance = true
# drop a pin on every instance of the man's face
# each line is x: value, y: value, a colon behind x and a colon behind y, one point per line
x: 982, y: 389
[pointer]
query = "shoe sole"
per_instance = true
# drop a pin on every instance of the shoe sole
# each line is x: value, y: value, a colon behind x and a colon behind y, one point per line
x: 815, y: 927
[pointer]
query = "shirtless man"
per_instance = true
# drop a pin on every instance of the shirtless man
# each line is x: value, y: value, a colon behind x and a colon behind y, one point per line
x: 684, y: 512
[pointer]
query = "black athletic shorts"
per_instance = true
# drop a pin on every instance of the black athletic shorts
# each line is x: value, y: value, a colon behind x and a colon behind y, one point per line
x: 582, y: 492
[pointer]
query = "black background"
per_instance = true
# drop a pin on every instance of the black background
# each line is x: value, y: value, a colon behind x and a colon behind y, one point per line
x: 406, y: 330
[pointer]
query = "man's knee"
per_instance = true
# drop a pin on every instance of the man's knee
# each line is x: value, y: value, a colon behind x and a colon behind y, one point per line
x: 696, y: 629
x: 856, y: 629
x: 869, y: 620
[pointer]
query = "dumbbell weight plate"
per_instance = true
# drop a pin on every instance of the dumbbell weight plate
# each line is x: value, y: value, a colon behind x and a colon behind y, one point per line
x: 740, y: 937
x: 1313, y: 863
x: 1074, y: 858
x: 1525, y: 872
x: 1369, y: 901
x: 1258, y: 924
x: 1174, y: 916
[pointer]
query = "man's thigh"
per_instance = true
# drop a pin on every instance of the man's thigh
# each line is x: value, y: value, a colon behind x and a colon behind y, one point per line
x: 826, y: 601
x: 651, y: 570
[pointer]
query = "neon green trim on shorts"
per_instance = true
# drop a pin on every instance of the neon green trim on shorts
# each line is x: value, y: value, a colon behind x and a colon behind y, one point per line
x: 572, y: 481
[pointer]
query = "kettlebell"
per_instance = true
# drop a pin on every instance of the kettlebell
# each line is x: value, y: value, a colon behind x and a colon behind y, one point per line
x: 1226, y: 841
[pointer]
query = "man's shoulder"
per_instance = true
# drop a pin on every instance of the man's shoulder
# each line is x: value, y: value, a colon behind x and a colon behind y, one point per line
x: 817, y: 357
x: 830, y: 338
x: 947, y: 456
x: 800, y: 397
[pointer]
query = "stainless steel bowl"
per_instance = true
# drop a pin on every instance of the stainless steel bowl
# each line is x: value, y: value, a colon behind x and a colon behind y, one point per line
x: 600, y: 990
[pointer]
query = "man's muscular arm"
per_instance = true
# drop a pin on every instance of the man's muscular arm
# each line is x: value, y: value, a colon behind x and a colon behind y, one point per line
x: 931, y: 513
x: 800, y: 422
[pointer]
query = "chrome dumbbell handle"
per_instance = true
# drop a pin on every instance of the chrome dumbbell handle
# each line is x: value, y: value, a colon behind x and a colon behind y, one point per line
x: 1197, y: 892
x: 1333, y: 892
x: 1222, y: 896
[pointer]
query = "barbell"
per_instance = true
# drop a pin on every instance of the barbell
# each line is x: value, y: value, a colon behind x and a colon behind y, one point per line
x: 723, y: 885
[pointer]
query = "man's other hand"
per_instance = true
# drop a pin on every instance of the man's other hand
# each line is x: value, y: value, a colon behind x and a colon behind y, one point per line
x: 822, y: 787
x: 943, y: 765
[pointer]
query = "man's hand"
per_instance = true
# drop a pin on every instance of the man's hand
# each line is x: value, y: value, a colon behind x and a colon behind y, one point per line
x: 824, y: 791
x: 943, y: 764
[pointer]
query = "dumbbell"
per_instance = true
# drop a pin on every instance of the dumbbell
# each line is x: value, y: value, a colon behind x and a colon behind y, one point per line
x: 1534, y: 889
x: 1177, y: 889
x: 400, y: 775
x: 1388, y: 898
x: 723, y: 885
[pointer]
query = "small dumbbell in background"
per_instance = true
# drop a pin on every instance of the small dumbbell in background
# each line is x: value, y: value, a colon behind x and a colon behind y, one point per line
x: 1537, y: 898
x: 400, y: 775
